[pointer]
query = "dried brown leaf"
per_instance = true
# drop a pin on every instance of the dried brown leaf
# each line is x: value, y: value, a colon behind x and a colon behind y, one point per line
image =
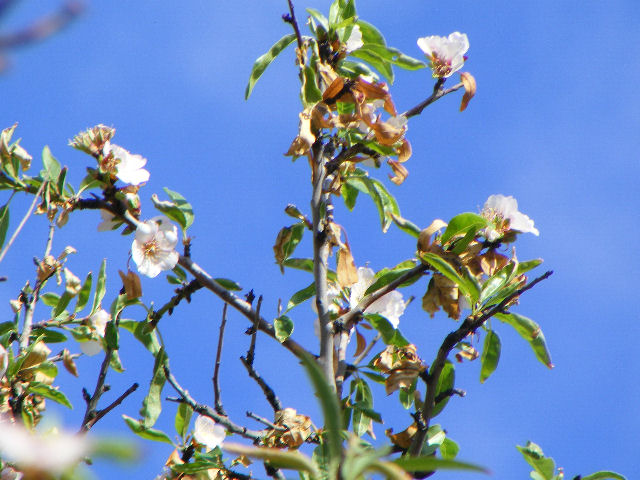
x: 361, y: 343
x: 347, y: 272
x: 68, y: 363
x: 469, y: 83
x: 399, y: 170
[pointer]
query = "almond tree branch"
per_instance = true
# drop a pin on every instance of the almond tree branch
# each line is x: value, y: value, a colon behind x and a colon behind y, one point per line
x: 207, y: 411
x: 470, y: 324
x: 251, y: 353
x: 101, y: 413
x: 217, y: 402
x: 438, y: 93
x: 269, y: 394
x: 291, y: 19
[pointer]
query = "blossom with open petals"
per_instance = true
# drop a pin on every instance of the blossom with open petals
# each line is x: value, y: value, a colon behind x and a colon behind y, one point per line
x: 503, y: 213
x: 391, y: 306
x: 207, y: 433
x: 128, y: 167
x: 445, y: 53
x: 153, y: 249
x: 50, y: 453
x: 99, y: 322
x: 354, y: 42
x: 108, y: 222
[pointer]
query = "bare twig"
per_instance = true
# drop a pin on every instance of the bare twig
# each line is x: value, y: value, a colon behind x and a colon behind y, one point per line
x: 207, y: 411
x: 269, y: 394
x: 101, y: 413
x: 254, y: 333
x: 291, y: 19
x: 183, y: 292
x: 22, y: 222
x: 217, y: 402
x: 264, y: 421
x: 438, y: 93
x: 239, y: 304
x: 470, y: 324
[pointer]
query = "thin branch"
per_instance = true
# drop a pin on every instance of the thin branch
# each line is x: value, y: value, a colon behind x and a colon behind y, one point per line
x: 183, y: 292
x: 30, y: 306
x: 22, y: 222
x: 217, y: 402
x: 367, y: 349
x: 343, y: 343
x: 470, y: 324
x: 254, y: 333
x: 266, y: 422
x: 269, y: 394
x: 101, y: 413
x: 438, y: 93
x: 207, y: 411
x: 239, y: 304
x: 291, y: 19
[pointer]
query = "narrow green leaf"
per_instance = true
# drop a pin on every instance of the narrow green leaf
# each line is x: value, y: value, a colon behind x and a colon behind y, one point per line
x: 393, y: 56
x: 100, y: 287
x: 390, y: 335
x: 195, y: 467
x: 146, y: 433
x: 449, y: 449
x: 305, y: 264
x: 283, y: 326
x: 531, y: 332
x: 406, y: 226
x: 183, y: 417
x: 544, y: 466
x: 278, y: 458
x: 442, y: 266
x: 265, y: 60
x: 47, y: 391
x: 491, y: 286
x: 62, y: 304
x: 115, y: 449
x: 181, y: 210
x: 52, y: 167
x: 490, y: 355
x: 383, y: 200
x: 445, y: 382
x: 370, y: 34
x: 50, y: 299
x: 349, y: 195
x: 50, y: 336
x: 4, y: 223
x: 141, y: 333
x: 229, y: 284
x: 386, y: 276
x: 320, y: 18
x: 85, y: 291
x: 341, y: 10
x: 329, y: 404
x: 461, y: 224
x: 429, y: 463
x: 152, y: 403
x: 524, y: 267
x: 604, y: 475
x: 301, y: 296
x: 376, y: 61
x: 111, y: 335
x: 311, y: 94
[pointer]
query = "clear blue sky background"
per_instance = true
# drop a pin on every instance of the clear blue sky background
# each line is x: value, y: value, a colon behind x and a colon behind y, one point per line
x: 555, y: 123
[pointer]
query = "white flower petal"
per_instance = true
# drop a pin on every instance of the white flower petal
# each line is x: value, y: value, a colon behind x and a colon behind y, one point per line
x: 506, y: 207
x: 91, y: 347
x: 107, y: 222
x: 446, y: 53
x: 4, y: 361
x: 153, y: 249
x: 129, y: 168
x: 206, y: 432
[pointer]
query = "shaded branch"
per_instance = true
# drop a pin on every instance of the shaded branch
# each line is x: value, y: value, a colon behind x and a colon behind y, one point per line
x: 470, y: 324
x: 207, y: 411
x: 183, y: 292
x: 290, y: 18
x: 101, y: 413
x: 269, y: 394
x: 438, y: 93
x: 251, y: 353
x: 217, y: 402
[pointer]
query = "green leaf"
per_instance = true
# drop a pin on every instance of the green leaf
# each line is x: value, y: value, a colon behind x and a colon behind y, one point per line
x: 52, y: 168
x: 146, y: 433
x: 429, y: 463
x: 286, y: 242
x: 301, y: 296
x: 140, y: 332
x: 376, y: 61
x: 115, y: 449
x: 62, y: 304
x: 265, y: 60
x: 341, y: 10
x: 492, y: 286
x: 531, y: 332
x: 385, y: 276
x: 320, y: 18
x: 47, y: 391
x: 392, y: 56
x: 6, y: 327
x: 449, y: 449
x: 349, y: 195
x: 370, y: 34
x: 305, y: 264
x: 100, y: 288
x: 284, y: 327
x: 278, y: 458
x: 406, y: 226
x: 51, y: 336
x: 445, y: 382
x: 183, y: 417
x: 152, y: 403
x: 603, y: 475
x: 195, y: 467
x: 443, y: 267
x: 385, y: 202
x: 329, y: 404
x: 461, y: 225
x: 111, y: 334
x: 50, y: 299
x: 310, y: 92
x: 4, y: 222
x: 390, y: 335
x: 490, y: 355
x: 177, y: 208
x: 544, y: 466
x: 228, y: 284
x: 524, y: 267
x: 183, y: 206
x: 85, y: 291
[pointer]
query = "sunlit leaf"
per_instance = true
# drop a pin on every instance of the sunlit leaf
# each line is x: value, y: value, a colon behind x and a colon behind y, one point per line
x: 604, y: 475
x: 183, y: 417
x: 283, y: 326
x: 85, y: 291
x: 442, y: 266
x: 445, y: 383
x: 152, y: 403
x: 531, y: 332
x: 490, y: 355
x: 100, y: 287
x: 4, y: 223
x: 146, y: 433
x: 301, y: 296
x: 544, y: 466
x: 429, y: 463
x: 265, y: 60
x: 47, y: 391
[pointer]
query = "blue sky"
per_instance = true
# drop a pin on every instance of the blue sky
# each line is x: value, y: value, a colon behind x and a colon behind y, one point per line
x: 554, y: 123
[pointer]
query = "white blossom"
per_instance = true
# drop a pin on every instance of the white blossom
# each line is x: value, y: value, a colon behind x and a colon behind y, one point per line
x: 354, y: 42
x: 153, y: 249
x: 206, y: 432
x: 99, y: 322
x: 129, y: 167
x: 391, y: 306
x: 53, y: 452
x: 445, y: 53
x: 503, y: 212
x: 108, y: 221
x: 4, y: 361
